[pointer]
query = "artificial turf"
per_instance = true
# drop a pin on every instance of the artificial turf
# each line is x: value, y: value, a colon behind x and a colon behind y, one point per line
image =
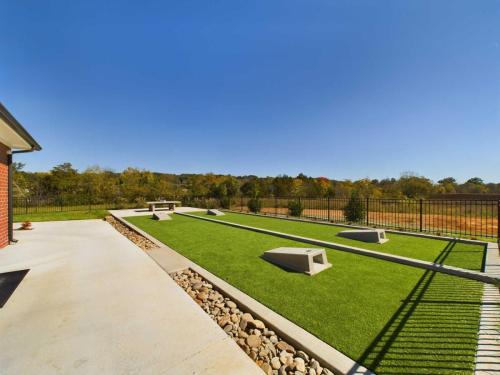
x: 392, y: 318
x: 469, y: 256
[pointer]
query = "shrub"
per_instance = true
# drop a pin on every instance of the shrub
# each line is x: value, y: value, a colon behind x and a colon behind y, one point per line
x: 254, y: 205
x: 295, y: 208
x: 354, y: 210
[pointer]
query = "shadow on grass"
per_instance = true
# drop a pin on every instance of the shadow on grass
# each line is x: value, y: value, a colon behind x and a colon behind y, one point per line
x: 434, y: 331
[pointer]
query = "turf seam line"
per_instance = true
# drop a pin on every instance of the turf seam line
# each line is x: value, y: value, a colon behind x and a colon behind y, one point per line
x: 454, y: 271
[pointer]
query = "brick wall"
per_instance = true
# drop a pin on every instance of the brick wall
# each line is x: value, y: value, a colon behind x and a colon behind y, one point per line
x: 4, y: 196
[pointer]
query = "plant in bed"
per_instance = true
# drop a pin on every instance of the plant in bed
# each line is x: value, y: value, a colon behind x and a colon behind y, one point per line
x: 354, y: 210
x: 295, y: 208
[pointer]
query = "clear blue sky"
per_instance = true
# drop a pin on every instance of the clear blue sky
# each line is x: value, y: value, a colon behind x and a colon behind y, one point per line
x: 343, y: 89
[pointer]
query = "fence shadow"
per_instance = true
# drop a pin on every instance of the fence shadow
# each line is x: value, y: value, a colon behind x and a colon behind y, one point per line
x: 435, y: 329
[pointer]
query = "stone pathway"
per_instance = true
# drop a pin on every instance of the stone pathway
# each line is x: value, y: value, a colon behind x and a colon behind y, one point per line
x: 488, y: 352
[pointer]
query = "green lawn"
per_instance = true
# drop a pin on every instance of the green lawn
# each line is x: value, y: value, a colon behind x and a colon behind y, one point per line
x: 460, y: 255
x: 392, y: 318
x: 63, y: 215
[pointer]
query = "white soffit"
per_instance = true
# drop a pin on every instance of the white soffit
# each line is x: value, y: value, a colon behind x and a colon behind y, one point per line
x: 11, y: 139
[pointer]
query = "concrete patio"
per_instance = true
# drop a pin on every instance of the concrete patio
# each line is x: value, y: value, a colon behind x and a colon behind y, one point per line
x: 94, y: 303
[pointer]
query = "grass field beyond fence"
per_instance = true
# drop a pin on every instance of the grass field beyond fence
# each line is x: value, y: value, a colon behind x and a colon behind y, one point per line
x: 392, y: 318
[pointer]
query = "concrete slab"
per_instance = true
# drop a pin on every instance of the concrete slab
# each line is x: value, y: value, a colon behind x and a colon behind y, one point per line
x: 94, y: 303
x: 365, y: 235
x: 215, y: 212
x: 299, y: 259
x: 161, y: 216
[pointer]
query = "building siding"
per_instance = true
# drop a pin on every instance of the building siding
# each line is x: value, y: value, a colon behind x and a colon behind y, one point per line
x: 4, y: 196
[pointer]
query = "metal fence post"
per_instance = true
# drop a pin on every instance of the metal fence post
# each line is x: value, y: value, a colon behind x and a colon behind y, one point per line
x: 498, y: 221
x: 275, y: 206
x: 328, y: 207
x: 421, y: 216
x: 367, y: 211
x: 26, y: 205
x: 241, y: 203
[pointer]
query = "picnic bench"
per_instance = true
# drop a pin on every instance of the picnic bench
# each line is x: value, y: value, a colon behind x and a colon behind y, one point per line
x: 169, y: 204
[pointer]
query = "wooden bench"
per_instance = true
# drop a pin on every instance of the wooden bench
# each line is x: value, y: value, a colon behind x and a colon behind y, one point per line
x: 169, y: 204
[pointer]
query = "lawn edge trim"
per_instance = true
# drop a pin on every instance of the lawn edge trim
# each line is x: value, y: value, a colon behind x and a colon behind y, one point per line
x: 454, y: 271
x: 394, y: 231
x: 291, y: 332
x: 484, y: 359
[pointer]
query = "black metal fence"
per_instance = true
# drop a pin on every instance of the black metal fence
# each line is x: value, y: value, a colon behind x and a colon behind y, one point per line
x: 36, y: 205
x: 463, y: 218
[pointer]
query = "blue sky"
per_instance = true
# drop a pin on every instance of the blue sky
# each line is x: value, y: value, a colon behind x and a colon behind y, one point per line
x: 342, y: 89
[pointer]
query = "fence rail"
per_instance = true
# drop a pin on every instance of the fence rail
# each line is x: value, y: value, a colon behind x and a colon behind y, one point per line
x: 462, y: 218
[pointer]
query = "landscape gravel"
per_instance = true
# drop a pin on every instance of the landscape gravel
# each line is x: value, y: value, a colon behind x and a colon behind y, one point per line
x: 270, y: 352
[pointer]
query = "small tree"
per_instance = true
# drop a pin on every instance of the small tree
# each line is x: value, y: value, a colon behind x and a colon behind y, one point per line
x: 354, y: 210
x: 295, y: 207
x: 254, y: 205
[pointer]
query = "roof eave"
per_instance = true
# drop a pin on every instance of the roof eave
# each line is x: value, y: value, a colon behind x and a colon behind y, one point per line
x: 18, y: 128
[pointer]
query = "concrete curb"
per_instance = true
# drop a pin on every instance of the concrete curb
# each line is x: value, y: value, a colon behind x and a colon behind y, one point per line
x: 295, y: 335
x: 404, y: 233
x: 487, y: 356
x: 468, y: 274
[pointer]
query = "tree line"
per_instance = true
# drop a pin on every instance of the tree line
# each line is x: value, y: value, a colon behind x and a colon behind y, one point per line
x: 134, y: 185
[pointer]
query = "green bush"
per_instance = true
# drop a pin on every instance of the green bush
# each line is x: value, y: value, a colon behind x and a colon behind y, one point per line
x: 295, y: 208
x: 254, y: 205
x: 354, y: 210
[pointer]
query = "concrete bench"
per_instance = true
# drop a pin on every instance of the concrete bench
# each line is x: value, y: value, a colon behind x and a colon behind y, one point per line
x: 169, y: 204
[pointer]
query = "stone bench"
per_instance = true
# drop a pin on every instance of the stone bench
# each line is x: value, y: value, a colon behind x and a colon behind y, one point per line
x: 169, y: 204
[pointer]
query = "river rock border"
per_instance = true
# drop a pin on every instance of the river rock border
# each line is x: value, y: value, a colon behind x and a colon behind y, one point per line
x: 271, y: 353
x: 137, y: 238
